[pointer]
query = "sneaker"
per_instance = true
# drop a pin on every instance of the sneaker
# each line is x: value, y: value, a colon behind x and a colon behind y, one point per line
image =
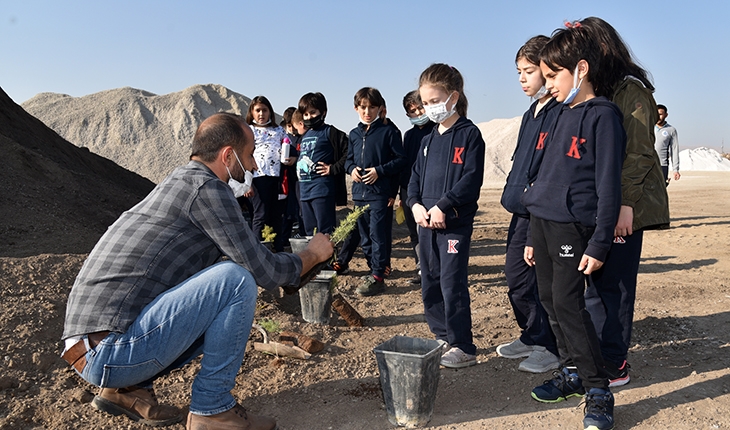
x: 236, y: 418
x: 340, y: 268
x: 563, y: 386
x: 139, y: 404
x: 598, y: 410
x: 455, y: 358
x: 515, y: 349
x: 540, y: 360
x: 617, y: 376
x: 370, y: 286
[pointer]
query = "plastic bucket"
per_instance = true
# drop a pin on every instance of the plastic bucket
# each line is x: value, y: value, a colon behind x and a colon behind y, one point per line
x: 298, y: 244
x: 409, y: 375
x: 316, y: 298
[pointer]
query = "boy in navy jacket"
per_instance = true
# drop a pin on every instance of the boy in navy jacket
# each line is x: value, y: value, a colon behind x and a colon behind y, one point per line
x: 374, y: 158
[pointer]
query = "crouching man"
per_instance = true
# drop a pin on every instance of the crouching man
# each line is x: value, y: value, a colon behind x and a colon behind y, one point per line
x: 155, y: 293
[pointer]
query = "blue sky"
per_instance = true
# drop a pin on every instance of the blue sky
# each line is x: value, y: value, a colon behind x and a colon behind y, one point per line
x: 283, y: 49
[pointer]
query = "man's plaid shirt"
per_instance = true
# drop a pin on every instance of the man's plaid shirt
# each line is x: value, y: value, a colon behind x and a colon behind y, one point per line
x: 187, y: 223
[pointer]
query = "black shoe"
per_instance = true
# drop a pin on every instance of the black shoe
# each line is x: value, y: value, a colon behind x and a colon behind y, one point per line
x: 598, y: 410
x: 370, y: 286
x: 563, y: 386
x: 340, y: 268
x: 617, y: 376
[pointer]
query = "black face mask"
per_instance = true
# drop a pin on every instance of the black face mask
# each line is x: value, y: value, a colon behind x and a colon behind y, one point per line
x: 315, y: 122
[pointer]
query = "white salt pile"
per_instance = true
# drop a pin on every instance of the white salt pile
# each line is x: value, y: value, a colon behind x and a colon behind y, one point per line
x: 702, y: 159
x: 141, y: 131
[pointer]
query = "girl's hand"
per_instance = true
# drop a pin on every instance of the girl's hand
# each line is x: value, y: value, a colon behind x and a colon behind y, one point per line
x: 420, y: 215
x: 438, y: 218
x: 529, y: 256
x: 589, y: 264
x: 322, y: 168
x: 356, y: 175
x: 624, y: 225
x: 391, y: 202
x: 370, y: 176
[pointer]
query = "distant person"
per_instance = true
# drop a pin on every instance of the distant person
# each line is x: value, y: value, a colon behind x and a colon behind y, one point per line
x: 667, y: 144
x: 268, y: 137
x: 374, y: 159
x: 321, y: 166
x: 443, y: 194
x: 574, y: 203
x: 536, y: 341
x: 154, y: 292
x: 422, y: 127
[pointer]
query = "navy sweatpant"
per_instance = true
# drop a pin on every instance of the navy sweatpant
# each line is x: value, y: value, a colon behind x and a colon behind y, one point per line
x: 558, y: 248
x: 522, y: 289
x: 611, y: 295
x: 376, y: 226
x: 319, y: 213
x: 445, y: 286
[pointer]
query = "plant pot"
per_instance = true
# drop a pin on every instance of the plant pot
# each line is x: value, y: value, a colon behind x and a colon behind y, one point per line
x: 409, y: 375
x: 315, y: 298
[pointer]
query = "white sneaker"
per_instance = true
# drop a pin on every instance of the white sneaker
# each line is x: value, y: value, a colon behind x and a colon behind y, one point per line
x: 540, y: 361
x: 455, y: 358
x: 515, y: 349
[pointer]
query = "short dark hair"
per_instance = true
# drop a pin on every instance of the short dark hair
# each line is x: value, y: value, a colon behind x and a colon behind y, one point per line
x: 286, y: 116
x: 370, y: 94
x: 263, y: 101
x: 217, y: 131
x: 661, y: 107
x: 313, y: 100
x: 530, y: 51
x: 413, y: 98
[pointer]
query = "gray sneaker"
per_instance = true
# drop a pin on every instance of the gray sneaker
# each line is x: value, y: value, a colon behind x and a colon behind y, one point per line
x: 455, y: 358
x: 515, y: 349
x: 370, y: 286
x: 540, y: 360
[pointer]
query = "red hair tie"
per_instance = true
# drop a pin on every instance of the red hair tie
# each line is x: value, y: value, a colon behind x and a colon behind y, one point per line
x: 574, y: 24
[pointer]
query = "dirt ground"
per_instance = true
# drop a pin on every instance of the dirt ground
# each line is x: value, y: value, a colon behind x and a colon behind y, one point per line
x: 680, y: 354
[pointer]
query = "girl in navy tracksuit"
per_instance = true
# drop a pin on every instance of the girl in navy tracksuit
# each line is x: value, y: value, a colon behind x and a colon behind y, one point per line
x: 443, y: 194
x: 536, y: 341
x: 574, y: 204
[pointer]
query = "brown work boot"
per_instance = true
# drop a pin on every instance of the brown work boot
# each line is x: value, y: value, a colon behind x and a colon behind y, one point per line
x: 139, y: 404
x: 232, y: 419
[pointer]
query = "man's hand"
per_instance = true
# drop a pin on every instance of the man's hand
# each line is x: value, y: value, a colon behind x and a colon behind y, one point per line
x: 318, y: 250
x: 589, y: 264
x: 676, y: 176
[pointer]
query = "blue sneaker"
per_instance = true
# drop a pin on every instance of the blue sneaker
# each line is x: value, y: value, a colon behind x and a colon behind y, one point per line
x: 563, y: 386
x: 598, y: 410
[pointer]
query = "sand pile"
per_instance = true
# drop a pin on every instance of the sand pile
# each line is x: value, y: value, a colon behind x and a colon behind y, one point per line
x: 54, y: 196
x: 702, y: 159
x: 500, y: 135
x: 141, y: 131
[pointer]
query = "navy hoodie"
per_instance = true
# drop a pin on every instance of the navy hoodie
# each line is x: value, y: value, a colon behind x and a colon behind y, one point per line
x: 580, y: 177
x: 449, y: 171
x: 528, y: 154
x: 378, y: 146
x: 411, y: 145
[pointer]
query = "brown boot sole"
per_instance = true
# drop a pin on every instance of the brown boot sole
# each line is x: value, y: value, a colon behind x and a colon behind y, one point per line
x: 105, y: 405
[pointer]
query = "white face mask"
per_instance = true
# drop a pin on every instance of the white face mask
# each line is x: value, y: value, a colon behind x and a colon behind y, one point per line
x: 368, y: 123
x: 419, y: 120
x: 438, y: 113
x: 261, y: 124
x: 542, y: 92
x: 239, y: 189
x: 576, y: 87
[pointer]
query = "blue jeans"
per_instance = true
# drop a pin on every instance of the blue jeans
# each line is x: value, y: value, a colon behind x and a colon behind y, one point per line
x: 210, y: 313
